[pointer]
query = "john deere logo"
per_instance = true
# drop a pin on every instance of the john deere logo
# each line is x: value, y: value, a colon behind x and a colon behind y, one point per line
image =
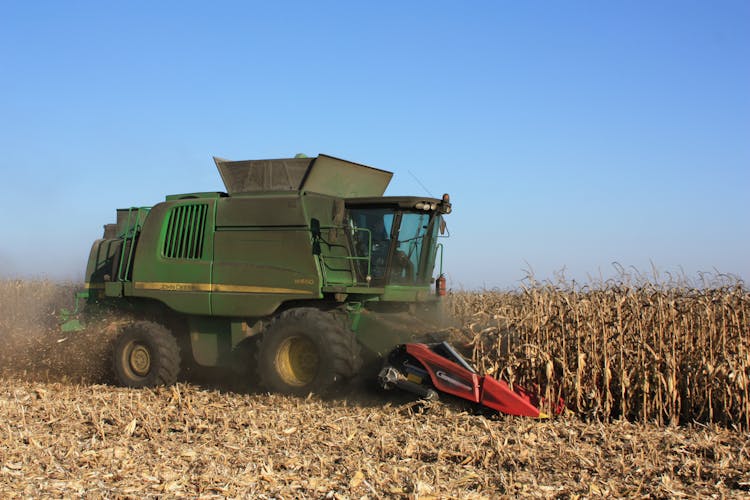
x: 176, y: 287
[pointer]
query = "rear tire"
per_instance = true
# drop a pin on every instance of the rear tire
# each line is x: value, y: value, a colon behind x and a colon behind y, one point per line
x: 145, y: 355
x: 306, y: 350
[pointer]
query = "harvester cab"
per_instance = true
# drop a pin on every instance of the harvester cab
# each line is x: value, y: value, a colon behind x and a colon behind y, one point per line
x: 397, y: 239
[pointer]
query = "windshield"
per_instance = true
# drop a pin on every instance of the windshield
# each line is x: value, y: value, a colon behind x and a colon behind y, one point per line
x: 402, y: 244
x: 416, y: 234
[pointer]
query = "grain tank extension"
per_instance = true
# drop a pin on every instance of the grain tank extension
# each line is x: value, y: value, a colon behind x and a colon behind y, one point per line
x: 299, y: 274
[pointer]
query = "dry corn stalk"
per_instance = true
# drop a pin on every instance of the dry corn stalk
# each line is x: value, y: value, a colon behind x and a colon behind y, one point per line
x: 666, y: 352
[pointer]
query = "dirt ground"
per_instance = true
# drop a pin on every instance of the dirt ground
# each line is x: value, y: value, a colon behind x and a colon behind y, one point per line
x: 70, y: 440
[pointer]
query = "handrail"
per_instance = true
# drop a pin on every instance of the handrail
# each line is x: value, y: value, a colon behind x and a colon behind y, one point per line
x: 132, y: 228
x: 440, y: 246
x: 368, y: 257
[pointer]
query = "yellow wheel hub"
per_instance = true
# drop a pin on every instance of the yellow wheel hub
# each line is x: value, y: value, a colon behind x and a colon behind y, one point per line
x: 139, y: 360
x: 297, y: 361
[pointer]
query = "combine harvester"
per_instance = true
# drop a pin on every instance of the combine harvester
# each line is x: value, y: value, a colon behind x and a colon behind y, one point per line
x: 302, y: 275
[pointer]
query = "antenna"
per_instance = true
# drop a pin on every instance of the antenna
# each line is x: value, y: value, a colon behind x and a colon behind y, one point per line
x: 420, y: 183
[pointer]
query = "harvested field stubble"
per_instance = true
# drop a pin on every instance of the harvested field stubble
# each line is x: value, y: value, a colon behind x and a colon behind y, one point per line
x: 69, y: 440
x: 650, y: 352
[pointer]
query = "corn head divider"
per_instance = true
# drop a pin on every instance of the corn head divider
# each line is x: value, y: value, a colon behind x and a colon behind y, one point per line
x: 426, y: 369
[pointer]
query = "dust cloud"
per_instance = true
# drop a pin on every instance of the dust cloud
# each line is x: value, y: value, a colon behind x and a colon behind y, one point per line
x: 32, y: 346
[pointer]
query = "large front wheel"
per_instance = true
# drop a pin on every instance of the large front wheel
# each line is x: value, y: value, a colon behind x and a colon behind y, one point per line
x: 306, y: 350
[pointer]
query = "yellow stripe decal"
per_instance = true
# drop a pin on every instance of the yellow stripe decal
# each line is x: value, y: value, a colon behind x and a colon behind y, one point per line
x: 173, y: 287
x: 257, y: 289
x: 95, y: 286
x: 208, y: 287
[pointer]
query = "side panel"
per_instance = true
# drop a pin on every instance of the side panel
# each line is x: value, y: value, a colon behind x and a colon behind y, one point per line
x: 262, y: 256
x: 267, y: 210
x: 210, y: 340
x: 213, y: 338
x: 333, y: 176
x: 174, y: 253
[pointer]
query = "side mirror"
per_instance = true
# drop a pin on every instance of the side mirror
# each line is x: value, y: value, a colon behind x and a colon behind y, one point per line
x: 315, y: 228
x: 443, y: 226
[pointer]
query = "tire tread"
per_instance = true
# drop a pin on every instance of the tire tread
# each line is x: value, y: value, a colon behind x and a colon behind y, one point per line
x: 167, y: 352
x: 344, y: 348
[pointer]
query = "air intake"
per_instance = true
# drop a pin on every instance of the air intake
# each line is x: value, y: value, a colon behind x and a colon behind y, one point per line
x: 185, y: 229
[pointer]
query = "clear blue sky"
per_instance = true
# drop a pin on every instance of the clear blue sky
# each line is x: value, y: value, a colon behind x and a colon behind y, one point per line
x: 569, y: 134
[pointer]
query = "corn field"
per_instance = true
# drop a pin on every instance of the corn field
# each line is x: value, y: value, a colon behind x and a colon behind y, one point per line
x: 664, y: 352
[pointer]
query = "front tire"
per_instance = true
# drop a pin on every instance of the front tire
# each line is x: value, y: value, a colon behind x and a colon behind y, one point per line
x: 305, y: 350
x: 145, y: 355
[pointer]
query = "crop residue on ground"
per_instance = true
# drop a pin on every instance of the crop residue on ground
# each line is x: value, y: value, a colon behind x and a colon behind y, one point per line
x: 69, y: 440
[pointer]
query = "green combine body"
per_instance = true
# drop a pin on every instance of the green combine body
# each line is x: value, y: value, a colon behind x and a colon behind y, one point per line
x: 263, y: 274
